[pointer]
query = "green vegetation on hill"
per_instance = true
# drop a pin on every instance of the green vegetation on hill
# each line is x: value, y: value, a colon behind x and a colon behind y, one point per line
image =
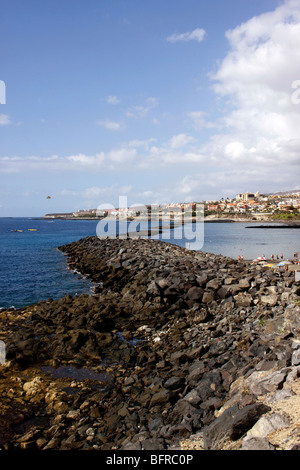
x: 283, y: 215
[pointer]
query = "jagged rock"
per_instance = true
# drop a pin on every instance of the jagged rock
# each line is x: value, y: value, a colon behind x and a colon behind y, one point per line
x: 195, y: 293
x: 270, y: 300
x: 243, y: 300
x: 160, y: 398
x: 262, y: 383
x: 244, y: 283
x: 213, y: 284
x: 181, y: 341
x: 33, y: 386
x: 257, y: 443
x: 193, y: 398
x: 174, y: 383
x: 292, y: 319
x: 207, y: 297
x: 196, y: 374
x: 216, y: 434
x: 267, y: 424
x: 153, y: 288
x: 246, y: 418
x: 153, y: 444
x: 296, y: 357
x: 202, y: 279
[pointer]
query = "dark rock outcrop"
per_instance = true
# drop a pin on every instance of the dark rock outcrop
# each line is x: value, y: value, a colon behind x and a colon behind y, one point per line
x: 153, y: 355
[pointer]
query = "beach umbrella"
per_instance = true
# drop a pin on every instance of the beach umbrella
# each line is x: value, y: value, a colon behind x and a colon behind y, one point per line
x: 283, y: 263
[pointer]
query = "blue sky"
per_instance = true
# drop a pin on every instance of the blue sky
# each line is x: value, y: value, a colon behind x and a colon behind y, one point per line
x: 161, y: 101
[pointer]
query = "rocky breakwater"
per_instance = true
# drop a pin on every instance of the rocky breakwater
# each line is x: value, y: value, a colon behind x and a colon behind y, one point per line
x: 175, y: 348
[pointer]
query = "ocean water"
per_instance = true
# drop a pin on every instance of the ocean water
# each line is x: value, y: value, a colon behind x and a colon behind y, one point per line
x: 33, y: 269
x: 234, y: 239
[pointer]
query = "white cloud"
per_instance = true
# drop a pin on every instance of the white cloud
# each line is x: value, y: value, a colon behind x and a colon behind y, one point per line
x: 195, y: 35
x: 122, y: 155
x: 94, y: 192
x: 107, y: 161
x: 188, y: 184
x: 147, y: 193
x: 82, y: 160
x: 111, y: 125
x: 96, y: 197
x: 145, y: 144
x: 180, y: 140
x: 261, y: 125
x: 141, y: 111
x: 112, y: 99
x: 121, y: 158
x: 263, y: 60
x: 199, y: 121
x: 4, y: 120
x: 234, y: 150
x: 17, y: 164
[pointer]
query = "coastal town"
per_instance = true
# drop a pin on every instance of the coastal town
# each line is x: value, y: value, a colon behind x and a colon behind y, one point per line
x: 253, y: 205
x: 257, y: 204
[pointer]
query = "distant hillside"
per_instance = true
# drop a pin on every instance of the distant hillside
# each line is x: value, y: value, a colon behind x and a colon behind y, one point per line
x: 283, y: 193
x: 60, y: 214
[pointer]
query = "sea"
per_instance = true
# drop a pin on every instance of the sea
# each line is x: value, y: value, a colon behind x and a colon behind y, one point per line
x: 32, y: 268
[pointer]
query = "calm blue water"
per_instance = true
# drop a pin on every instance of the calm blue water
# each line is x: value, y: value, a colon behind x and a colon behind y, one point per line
x: 234, y: 239
x: 33, y: 269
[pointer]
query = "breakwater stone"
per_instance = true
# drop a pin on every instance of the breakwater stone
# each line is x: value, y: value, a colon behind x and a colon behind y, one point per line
x: 163, y: 346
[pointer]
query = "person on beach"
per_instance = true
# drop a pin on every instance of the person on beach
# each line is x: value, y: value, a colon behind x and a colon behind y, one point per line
x: 281, y: 256
x: 272, y: 257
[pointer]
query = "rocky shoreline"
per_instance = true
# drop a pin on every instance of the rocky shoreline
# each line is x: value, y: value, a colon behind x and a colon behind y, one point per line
x: 176, y: 349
